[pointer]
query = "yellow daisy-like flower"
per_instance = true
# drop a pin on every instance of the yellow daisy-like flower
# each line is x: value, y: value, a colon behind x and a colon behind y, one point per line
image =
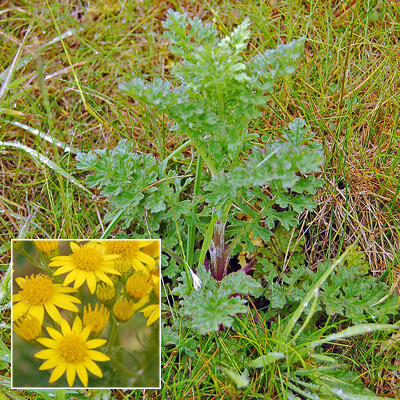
x: 152, y: 313
x: 153, y: 249
x: 97, y: 318
x: 105, y: 293
x: 87, y: 263
x: 124, y: 310
x: 39, y: 293
x: 46, y: 246
x: 155, y: 276
x: 27, y: 327
x: 69, y: 351
x: 122, y: 265
x: 139, y: 285
x: 131, y: 251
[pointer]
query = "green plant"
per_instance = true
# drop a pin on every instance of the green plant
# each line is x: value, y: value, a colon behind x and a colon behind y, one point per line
x: 297, y: 359
x: 216, y: 92
x: 348, y: 292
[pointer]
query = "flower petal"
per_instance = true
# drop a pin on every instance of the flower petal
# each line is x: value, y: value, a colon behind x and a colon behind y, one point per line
x: 146, y: 259
x: 97, y: 356
x: 74, y: 246
x: 52, y: 344
x: 105, y: 279
x: 38, y: 312
x: 56, y: 335
x: 65, y: 328
x: 91, y: 281
x: 77, y: 326
x: 71, y: 373
x: 91, y: 344
x: 53, y: 312
x: 21, y: 281
x: 85, y: 333
x: 51, y: 363
x: 19, y: 309
x: 48, y: 353
x: 58, y: 371
x: 82, y: 373
x: 93, y: 368
x: 64, y: 301
x: 71, y: 277
x: 80, y: 279
x: 64, y: 269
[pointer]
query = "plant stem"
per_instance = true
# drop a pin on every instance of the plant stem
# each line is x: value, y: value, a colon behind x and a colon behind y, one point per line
x: 177, y: 151
x: 36, y: 263
x: 185, y: 264
x: 209, y: 162
x: 192, y: 226
x: 122, y: 369
x: 219, y: 257
x: 156, y: 132
x: 113, y: 335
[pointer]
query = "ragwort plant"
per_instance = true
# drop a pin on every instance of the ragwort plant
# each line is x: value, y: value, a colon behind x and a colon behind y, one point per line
x: 214, y: 95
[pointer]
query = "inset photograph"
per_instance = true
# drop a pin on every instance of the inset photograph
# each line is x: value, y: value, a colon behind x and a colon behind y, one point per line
x: 86, y: 314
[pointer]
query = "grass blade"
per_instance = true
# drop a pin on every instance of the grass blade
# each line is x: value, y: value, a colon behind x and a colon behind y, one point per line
x: 42, y: 159
x: 355, y: 330
x: 11, y: 69
x: 44, y: 136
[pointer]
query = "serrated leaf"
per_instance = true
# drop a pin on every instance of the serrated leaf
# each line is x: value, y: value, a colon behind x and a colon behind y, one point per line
x: 239, y: 282
x: 209, y: 310
x: 277, y: 296
x: 213, y: 305
x: 172, y: 269
x: 308, y: 184
x: 298, y: 133
x: 156, y: 202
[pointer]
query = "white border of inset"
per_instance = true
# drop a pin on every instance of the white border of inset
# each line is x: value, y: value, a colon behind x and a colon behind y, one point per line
x: 83, y: 387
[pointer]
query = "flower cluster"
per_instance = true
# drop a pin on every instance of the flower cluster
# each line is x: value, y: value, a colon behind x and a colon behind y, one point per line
x: 86, y: 292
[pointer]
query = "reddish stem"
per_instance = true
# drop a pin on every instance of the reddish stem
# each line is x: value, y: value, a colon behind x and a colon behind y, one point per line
x: 219, y: 254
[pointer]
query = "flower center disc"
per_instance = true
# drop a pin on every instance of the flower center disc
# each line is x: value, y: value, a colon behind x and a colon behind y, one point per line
x: 37, y: 290
x: 88, y: 258
x: 73, y: 349
x: 123, y: 248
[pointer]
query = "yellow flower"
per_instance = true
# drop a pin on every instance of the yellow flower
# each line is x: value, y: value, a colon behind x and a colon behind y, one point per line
x: 39, y: 293
x: 139, y: 285
x: 153, y: 249
x: 69, y: 351
x: 88, y: 263
x: 46, y: 246
x: 152, y: 313
x: 155, y: 276
x: 131, y: 251
x: 97, y: 319
x: 156, y: 290
x: 105, y: 293
x: 122, y: 265
x: 124, y: 310
x: 27, y: 327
